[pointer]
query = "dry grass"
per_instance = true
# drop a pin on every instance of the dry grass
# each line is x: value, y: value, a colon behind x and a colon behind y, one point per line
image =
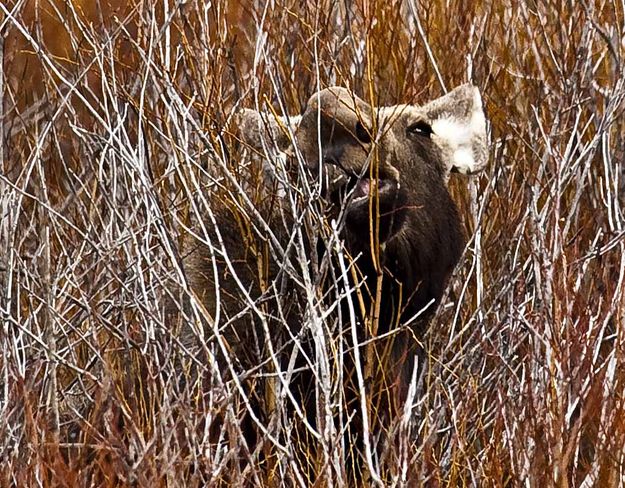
x: 111, y: 117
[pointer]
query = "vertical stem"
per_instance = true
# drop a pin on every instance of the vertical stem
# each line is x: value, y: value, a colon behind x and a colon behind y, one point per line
x: 2, y: 164
x: 5, y: 288
x: 53, y: 404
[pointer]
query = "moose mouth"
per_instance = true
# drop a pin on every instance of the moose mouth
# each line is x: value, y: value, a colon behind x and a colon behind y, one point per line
x: 353, y: 192
x: 369, y: 204
x: 359, y: 190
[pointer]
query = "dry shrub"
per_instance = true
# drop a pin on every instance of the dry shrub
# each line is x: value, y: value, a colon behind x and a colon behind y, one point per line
x: 115, y: 115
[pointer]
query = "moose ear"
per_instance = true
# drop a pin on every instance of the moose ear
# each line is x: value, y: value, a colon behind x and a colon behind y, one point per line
x: 459, y: 128
x: 262, y: 130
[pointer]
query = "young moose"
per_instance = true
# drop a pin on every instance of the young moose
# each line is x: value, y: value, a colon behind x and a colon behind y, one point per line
x: 385, y: 172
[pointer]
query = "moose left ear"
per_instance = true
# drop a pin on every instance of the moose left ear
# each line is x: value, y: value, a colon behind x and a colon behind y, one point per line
x: 258, y: 129
x: 459, y: 128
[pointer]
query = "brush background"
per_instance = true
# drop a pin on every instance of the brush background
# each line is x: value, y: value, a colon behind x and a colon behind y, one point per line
x: 111, y: 107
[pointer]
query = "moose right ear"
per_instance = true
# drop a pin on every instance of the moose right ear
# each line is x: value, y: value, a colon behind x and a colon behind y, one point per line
x: 254, y: 127
x: 458, y: 126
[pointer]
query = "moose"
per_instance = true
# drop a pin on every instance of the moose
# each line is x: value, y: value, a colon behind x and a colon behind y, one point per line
x: 383, y: 175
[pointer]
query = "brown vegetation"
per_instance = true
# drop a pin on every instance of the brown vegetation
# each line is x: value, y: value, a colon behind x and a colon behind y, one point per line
x: 113, y: 121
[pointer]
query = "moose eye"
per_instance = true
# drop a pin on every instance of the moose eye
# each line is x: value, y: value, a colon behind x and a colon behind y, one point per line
x: 421, y: 128
x: 362, y: 134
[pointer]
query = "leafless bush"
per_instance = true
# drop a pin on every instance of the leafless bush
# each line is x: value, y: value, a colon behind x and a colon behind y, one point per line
x: 118, y: 144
